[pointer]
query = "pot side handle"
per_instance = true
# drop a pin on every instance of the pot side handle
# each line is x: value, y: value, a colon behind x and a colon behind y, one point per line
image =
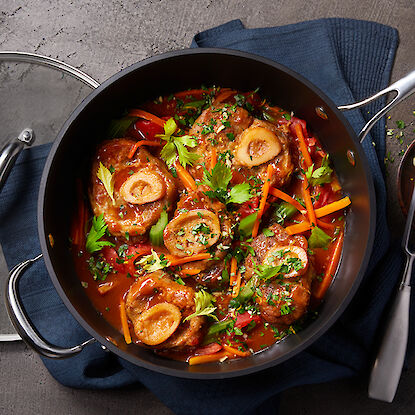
x: 402, y: 88
x: 24, y: 326
x: 10, y: 152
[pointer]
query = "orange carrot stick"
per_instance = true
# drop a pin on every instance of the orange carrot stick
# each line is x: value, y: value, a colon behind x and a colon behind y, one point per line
x: 142, y: 143
x: 206, y: 358
x: 318, y: 294
x: 185, y: 177
x: 213, y: 158
x: 237, y: 285
x: 174, y: 261
x: 147, y: 116
x: 265, y: 191
x: 308, y: 203
x: 325, y: 225
x: 287, y: 198
x: 333, y: 207
x: 303, y: 146
x: 190, y: 271
x: 236, y: 351
x: 124, y: 322
x: 232, y: 276
x: 298, y: 228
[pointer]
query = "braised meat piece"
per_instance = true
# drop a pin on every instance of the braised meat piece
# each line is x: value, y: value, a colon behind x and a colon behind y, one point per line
x: 285, y: 295
x: 142, y: 188
x: 218, y: 126
x: 156, y: 305
x: 265, y: 246
x: 199, y: 224
x: 284, y: 302
x: 261, y: 144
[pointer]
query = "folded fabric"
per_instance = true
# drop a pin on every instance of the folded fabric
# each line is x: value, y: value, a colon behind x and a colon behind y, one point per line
x: 348, y: 60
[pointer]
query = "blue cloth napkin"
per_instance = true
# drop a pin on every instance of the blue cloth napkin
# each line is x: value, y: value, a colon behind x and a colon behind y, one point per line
x: 348, y: 60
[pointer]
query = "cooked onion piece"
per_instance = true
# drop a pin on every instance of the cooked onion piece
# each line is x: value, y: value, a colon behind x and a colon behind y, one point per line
x: 157, y: 324
x: 294, y: 257
x: 257, y: 145
x: 192, y: 232
x: 143, y: 187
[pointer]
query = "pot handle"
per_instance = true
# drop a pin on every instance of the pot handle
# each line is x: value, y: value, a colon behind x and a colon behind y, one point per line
x: 403, y: 88
x: 10, y: 152
x: 23, y: 325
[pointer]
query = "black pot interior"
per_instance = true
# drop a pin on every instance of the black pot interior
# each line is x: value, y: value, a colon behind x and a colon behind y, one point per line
x: 162, y: 75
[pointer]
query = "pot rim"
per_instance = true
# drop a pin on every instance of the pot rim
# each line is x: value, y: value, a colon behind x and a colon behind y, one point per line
x: 177, y: 372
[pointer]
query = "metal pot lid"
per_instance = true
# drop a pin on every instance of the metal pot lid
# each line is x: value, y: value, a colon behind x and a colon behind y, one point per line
x: 37, y: 93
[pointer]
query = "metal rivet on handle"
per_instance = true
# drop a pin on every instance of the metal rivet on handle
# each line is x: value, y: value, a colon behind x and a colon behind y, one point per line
x: 320, y: 111
x: 351, y: 157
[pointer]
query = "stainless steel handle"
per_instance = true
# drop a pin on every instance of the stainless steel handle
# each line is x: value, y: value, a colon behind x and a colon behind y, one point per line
x: 10, y: 152
x: 387, y: 369
x: 403, y: 88
x: 22, y: 324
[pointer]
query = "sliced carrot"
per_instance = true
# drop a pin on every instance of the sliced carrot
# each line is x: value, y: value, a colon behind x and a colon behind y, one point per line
x: 147, y: 116
x: 325, y: 225
x: 213, y: 158
x: 236, y: 351
x: 237, y: 285
x: 174, y: 261
x: 298, y: 228
x: 185, y: 177
x: 223, y: 95
x: 190, y: 271
x: 206, y: 358
x: 104, y: 288
x: 232, y: 275
x: 265, y: 191
x: 124, y: 322
x: 318, y: 294
x: 333, y: 207
x: 308, y: 202
x: 142, y: 143
x: 303, y: 146
x: 287, y: 198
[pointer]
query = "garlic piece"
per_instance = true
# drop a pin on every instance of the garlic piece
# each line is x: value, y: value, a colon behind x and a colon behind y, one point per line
x: 257, y: 145
x: 143, y: 187
x: 157, y: 324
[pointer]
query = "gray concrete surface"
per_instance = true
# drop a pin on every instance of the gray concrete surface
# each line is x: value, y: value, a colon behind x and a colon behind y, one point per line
x: 103, y: 37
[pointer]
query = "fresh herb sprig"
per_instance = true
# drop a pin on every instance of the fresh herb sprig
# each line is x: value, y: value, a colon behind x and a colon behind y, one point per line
x: 218, y: 180
x: 98, y: 229
x: 204, y: 305
x: 177, y: 145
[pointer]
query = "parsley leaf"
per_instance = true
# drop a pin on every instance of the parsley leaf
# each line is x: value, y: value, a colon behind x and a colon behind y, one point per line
x: 240, y: 193
x: 318, y: 238
x: 204, y: 306
x: 98, y: 229
x: 321, y: 175
x: 106, y: 178
x: 153, y: 262
x: 177, y: 145
x: 218, y: 180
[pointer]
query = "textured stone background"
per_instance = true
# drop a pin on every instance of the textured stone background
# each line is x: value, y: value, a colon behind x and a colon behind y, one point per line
x: 102, y: 37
